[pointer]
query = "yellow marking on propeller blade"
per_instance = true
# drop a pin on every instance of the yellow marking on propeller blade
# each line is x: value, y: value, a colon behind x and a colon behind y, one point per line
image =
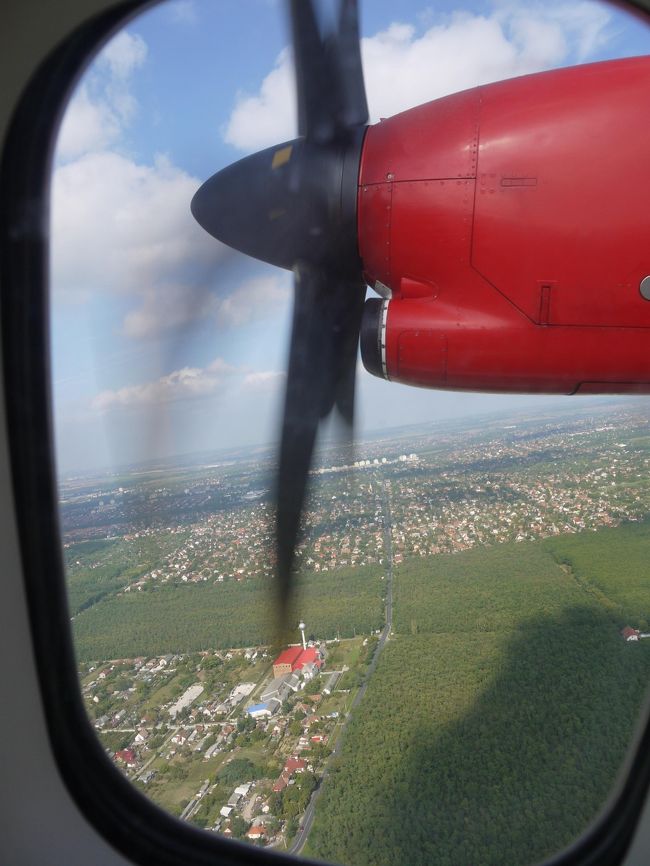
x: 277, y: 213
x: 281, y: 156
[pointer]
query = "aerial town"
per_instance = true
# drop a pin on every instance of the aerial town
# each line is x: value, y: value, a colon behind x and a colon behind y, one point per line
x: 195, y: 703
x: 240, y: 749
x: 513, y: 487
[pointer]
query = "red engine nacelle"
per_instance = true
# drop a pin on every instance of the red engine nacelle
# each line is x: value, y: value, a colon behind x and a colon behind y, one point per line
x: 508, y: 227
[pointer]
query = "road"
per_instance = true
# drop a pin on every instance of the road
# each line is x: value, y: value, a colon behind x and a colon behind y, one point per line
x: 310, y: 811
x: 156, y: 753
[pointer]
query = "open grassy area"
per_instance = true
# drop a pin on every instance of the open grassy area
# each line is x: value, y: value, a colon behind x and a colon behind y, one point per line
x: 172, y: 791
x: 345, y: 652
x: 179, y: 780
x: 167, y: 692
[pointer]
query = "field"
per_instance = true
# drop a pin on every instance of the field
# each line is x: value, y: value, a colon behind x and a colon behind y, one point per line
x: 229, y: 614
x: 495, y: 724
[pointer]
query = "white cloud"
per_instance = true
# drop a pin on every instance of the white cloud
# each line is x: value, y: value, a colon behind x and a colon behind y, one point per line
x: 266, y: 380
x: 87, y: 125
x: 404, y: 68
x: 123, y: 54
x: 122, y: 227
x: 166, y: 308
x: 187, y: 383
x: 103, y: 104
x: 586, y: 27
x: 184, y: 384
x: 170, y: 307
x: 270, y: 116
x: 254, y: 299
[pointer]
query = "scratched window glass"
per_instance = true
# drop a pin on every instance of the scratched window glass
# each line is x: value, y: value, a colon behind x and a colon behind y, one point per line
x: 425, y: 638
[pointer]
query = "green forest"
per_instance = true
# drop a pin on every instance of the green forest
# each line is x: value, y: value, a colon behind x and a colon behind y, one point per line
x: 495, y: 724
x: 97, y: 569
x: 483, y: 590
x: 613, y: 565
x: 230, y: 614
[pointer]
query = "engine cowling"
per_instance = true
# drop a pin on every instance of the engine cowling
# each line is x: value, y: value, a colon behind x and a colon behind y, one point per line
x: 507, y: 227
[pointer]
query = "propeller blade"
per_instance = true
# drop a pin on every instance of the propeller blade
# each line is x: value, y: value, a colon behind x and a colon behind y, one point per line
x: 322, y: 363
x: 329, y: 74
x: 295, y: 206
x: 351, y: 302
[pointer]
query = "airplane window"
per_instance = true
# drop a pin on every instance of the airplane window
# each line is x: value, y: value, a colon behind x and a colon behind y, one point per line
x: 457, y: 671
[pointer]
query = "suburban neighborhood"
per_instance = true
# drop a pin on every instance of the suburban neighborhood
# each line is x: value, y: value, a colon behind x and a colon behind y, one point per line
x: 239, y: 739
x: 254, y: 731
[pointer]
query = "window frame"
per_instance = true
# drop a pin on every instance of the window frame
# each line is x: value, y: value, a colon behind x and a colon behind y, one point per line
x: 123, y: 815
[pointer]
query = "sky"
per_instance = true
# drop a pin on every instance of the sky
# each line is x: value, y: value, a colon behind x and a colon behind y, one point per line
x: 164, y: 341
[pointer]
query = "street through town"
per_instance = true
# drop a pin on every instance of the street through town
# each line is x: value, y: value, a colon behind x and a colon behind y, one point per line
x: 308, y: 818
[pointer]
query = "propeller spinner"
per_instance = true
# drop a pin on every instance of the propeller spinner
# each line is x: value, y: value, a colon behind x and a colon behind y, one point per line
x: 295, y: 206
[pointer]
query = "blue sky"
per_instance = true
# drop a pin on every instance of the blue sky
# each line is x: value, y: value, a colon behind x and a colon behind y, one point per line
x: 163, y: 341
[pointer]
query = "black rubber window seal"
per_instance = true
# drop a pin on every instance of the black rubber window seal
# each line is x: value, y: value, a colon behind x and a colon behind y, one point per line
x: 129, y: 821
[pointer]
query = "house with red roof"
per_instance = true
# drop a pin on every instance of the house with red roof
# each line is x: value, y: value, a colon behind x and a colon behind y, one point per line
x: 126, y: 756
x: 295, y: 765
x: 281, y: 782
x: 284, y: 664
x: 294, y: 658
